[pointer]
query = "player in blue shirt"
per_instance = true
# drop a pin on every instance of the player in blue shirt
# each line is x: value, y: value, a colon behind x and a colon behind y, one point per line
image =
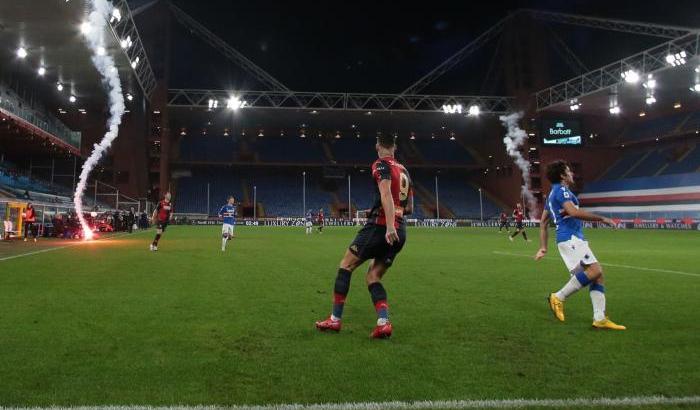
x: 562, y: 208
x: 228, y: 213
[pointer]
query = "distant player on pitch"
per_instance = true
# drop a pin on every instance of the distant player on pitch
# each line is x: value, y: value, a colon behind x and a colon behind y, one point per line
x: 161, y: 218
x: 381, y: 239
x: 518, y: 215
x: 321, y: 220
x: 309, y: 222
x: 228, y: 214
x: 563, y: 208
x: 503, y: 219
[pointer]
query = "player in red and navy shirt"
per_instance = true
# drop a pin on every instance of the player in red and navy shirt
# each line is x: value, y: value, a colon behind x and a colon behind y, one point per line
x: 380, y: 240
x: 321, y: 220
x: 518, y: 215
x: 161, y: 217
x: 503, y: 223
x: 29, y: 218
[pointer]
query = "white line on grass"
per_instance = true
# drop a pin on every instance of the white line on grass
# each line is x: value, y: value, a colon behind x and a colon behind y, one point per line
x: 21, y: 255
x: 420, y: 405
x: 615, y: 265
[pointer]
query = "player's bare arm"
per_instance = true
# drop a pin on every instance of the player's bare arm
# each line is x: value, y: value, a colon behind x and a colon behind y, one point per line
x: 389, y: 210
x: 575, y: 212
x: 544, y: 235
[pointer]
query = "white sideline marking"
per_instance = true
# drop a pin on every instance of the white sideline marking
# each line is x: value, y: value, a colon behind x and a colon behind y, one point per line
x: 615, y: 265
x: 418, y: 405
x: 21, y: 255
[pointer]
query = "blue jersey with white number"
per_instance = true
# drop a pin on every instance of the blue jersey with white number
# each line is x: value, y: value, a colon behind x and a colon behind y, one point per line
x: 567, y: 226
x: 228, y: 212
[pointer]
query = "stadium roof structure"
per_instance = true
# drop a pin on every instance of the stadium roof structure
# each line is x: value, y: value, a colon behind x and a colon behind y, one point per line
x: 275, y: 95
x: 673, y: 65
x: 52, y: 38
x: 345, y: 124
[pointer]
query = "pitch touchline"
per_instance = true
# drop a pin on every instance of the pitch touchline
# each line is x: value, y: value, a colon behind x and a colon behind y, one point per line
x: 417, y: 405
x: 615, y: 265
x: 21, y: 255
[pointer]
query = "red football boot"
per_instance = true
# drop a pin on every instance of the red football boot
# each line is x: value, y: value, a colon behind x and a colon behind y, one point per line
x: 329, y: 324
x: 382, y: 331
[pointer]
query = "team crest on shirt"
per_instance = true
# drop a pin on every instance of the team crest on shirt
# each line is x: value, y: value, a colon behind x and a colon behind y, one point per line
x: 353, y: 248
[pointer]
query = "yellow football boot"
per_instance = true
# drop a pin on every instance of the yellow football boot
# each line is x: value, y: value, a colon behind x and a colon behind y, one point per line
x: 557, y: 306
x: 607, y: 324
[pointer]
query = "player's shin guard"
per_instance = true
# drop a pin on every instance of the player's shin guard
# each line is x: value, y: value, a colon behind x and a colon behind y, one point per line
x: 378, y: 293
x: 340, y: 292
x: 597, y: 293
x: 576, y: 282
x: 157, y: 238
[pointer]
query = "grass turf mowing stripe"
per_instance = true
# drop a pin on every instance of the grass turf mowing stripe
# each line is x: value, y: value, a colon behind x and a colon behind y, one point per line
x: 21, y: 255
x: 614, y: 265
x: 420, y: 405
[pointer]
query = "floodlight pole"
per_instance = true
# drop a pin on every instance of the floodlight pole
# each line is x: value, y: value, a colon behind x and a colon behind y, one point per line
x: 75, y: 168
x: 349, y: 200
x: 481, y: 205
x: 437, y: 198
x: 208, y: 198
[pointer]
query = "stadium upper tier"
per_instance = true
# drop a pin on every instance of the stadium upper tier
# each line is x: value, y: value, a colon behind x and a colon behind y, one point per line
x: 649, y: 183
x: 315, y: 150
x: 37, y: 115
x: 673, y: 159
x: 645, y: 130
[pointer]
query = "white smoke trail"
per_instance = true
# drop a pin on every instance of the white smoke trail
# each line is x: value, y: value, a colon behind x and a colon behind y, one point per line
x: 94, y: 30
x: 514, y: 140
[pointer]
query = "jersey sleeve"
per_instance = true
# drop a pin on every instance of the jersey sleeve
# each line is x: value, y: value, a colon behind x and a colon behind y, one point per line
x: 563, y: 195
x: 221, y: 211
x: 381, y: 171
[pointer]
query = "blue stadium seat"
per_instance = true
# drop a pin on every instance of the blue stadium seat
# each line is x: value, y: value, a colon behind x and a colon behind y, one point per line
x: 689, y: 163
x: 650, y: 129
x: 443, y: 152
x: 289, y: 149
x: 208, y: 148
x: 623, y: 165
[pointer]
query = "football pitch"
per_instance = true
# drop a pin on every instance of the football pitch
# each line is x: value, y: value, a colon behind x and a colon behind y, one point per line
x: 110, y: 323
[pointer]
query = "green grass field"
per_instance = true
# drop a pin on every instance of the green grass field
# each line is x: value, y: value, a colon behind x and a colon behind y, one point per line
x: 109, y: 322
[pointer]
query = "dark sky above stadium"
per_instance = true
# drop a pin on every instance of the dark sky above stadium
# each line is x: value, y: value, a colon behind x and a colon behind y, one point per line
x: 384, y: 46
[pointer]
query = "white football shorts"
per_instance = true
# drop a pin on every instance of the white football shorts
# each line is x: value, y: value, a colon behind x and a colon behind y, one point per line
x: 576, y: 253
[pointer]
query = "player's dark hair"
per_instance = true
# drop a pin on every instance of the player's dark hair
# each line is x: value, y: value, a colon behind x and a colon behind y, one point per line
x: 386, y: 141
x: 555, y: 170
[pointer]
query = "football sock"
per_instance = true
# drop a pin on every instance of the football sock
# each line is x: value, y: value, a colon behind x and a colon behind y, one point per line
x: 155, y: 241
x: 340, y: 292
x: 524, y: 235
x: 576, y: 282
x: 378, y: 293
x: 223, y: 242
x: 597, y: 293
